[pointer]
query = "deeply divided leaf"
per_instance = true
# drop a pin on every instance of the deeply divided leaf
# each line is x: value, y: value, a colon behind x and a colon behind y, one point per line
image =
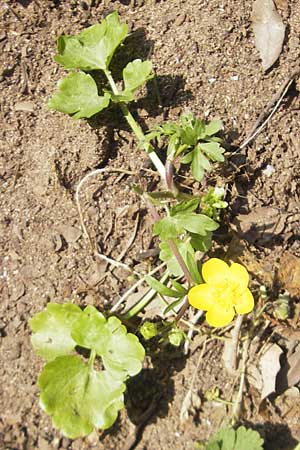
x: 94, y: 47
x: 78, y: 95
x: 78, y: 398
x: 52, y: 330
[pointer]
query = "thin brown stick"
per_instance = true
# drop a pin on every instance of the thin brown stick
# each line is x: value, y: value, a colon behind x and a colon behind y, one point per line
x: 276, y: 100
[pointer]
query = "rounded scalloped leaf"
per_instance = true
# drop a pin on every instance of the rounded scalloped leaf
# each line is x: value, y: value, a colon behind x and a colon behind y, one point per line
x: 52, y: 330
x: 90, y: 331
x: 94, y: 47
x: 78, y: 398
x: 123, y: 355
x: 78, y: 95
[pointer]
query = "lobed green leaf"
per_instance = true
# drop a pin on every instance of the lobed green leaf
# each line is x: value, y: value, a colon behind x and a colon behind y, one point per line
x: 213, y: 150
x: 136, y: 73
x: 78, y: 95
x: 94, y: 47
x: 78, y: 398
x: 52, y: 330
x: 90, y: 331
x: 240, y: 439
x: 123, y: 354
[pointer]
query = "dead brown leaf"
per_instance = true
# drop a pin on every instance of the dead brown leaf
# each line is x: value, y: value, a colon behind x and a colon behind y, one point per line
x: 269, y: 367
x: 268, y: 30
x: 289, y: 273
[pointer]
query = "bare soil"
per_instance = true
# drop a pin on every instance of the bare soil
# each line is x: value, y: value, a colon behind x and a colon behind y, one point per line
x: 205, y: 60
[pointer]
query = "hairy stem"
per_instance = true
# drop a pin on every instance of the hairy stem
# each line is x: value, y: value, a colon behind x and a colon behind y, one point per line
x: 137, y: 130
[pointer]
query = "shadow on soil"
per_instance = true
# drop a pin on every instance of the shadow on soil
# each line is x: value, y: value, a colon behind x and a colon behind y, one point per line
x: 277, y: 436
x: 153, y: 389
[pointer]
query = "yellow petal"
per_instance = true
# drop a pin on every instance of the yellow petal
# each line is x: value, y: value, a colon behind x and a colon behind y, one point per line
x: 244, y: 303
x: 201, y: 296
x: 215, y: 271
x: 219, y: 317
x: 239, y: 276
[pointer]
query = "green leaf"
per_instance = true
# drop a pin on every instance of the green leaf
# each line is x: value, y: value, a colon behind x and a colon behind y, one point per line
x: 176, y: 336
x: 78, y: 95
x: 167, y: 228
x: 181, y: 289
x: 185, y: 207
x: 78, y: 398
x: 167, y: 256
x: 213, y: 127
x: 213, y: 150
x: 148, y: 330
x: 90, y: 330
x: 123, y: 354
x: 187, y: 158
x: 161, y: 288
x: 193, y: 268
x: 201, y: 243
x: 196, y: 223
x: 52, y: 330
x: 172, y: 305
x: 136, y: 73
x: 247, y: 439
x: 240, y: 439
x: 94, y: 47
x: 200, y: 164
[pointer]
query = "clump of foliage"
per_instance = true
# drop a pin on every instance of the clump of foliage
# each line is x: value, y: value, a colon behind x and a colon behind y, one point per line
x: 75, y: 393
x: 79, y: 395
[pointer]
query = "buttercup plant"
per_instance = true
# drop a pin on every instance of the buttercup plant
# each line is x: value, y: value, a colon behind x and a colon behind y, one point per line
x: 76, y: 394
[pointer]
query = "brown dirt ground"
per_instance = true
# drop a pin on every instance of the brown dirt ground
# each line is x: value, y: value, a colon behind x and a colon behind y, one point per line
x: 205, y: 60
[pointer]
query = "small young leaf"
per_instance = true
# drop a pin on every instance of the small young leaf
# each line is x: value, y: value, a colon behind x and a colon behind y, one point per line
x: 52, y: 330
x: 213, y: 127
x: 123, y: 354
x: 94, y: 47
x: 213, y: 150
x: 78, y: 398
x: 136, y: 73
x: 161, y: 288
x: 78, y: 95
x: 148, y: 330
x: 176, y: 336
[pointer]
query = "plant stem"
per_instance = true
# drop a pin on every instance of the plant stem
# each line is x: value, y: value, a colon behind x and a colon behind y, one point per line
x: 92, y: 359
x: 137, y: 130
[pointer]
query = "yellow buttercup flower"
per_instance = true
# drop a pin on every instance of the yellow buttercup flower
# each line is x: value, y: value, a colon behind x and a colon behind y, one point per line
x: 224, y: 292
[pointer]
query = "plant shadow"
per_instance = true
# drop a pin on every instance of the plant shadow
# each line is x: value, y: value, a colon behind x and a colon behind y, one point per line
x: 276, y: 435
x: 150, y: 392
